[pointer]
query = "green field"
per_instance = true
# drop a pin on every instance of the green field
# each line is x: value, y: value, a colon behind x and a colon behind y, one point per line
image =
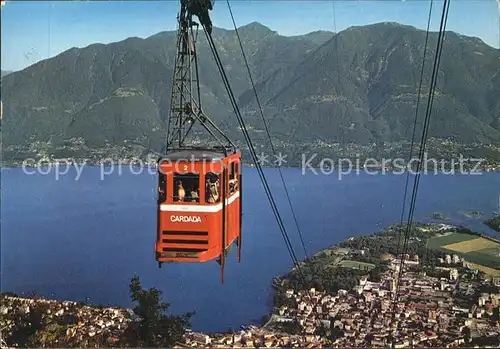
x: 494, y: 251
x: 356, y: 265
x: 464, y: 245
x: 452, y: 238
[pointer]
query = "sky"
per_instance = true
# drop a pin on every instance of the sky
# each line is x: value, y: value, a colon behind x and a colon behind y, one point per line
x: 37, y: 30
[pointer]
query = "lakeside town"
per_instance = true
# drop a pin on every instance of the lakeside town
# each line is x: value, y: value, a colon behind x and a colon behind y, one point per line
x: 443, y: 155
x: 452, y: 304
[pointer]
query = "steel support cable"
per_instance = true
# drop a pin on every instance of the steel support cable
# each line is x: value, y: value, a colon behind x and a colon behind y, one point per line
x: 430, y: 102
x: 257, y: 164
x: 400, y: 233
x: 254, y: 158
x: 437, y: 72
x: 252, y: 149
x: 437, y: 59
x: 267, y: 130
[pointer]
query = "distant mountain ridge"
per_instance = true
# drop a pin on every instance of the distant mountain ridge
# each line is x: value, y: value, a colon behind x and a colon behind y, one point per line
x: 359, y: 86
x: 5, y: 72
x: 368, y: 77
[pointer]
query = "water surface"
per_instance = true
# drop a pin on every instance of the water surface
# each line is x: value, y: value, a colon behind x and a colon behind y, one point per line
x: 73, y: 239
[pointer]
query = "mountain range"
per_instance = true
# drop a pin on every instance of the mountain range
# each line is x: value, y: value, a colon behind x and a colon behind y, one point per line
x: 356, y: 86
x: 4, y: 72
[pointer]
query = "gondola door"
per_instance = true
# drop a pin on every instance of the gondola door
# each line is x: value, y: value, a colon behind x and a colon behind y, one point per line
x: 230, y: 197
x: 224, y: 223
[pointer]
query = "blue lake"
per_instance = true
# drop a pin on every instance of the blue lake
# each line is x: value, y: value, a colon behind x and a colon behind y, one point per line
x: 73, y: 239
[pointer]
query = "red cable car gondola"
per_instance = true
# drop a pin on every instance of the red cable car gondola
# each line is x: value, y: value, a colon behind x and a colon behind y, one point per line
x: 199, y: 190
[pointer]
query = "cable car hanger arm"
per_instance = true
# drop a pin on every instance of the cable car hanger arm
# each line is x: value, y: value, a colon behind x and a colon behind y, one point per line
x: 200, y: 9
x: 186, y: 106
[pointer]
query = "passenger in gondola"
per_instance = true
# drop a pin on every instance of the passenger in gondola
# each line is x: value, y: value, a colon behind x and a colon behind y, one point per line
x: 194, y: 195
x: 233, y: 185
x: 212, y: 189
x: 181, y: 192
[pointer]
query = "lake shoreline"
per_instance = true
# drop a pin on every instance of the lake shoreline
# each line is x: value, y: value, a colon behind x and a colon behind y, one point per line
x: 281, y: 290
x: 125, y: 207
x: 376, y: 170
x: 494, y: 223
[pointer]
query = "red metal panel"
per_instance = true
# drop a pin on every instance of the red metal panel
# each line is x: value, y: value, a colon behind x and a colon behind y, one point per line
x: 186, y: 225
